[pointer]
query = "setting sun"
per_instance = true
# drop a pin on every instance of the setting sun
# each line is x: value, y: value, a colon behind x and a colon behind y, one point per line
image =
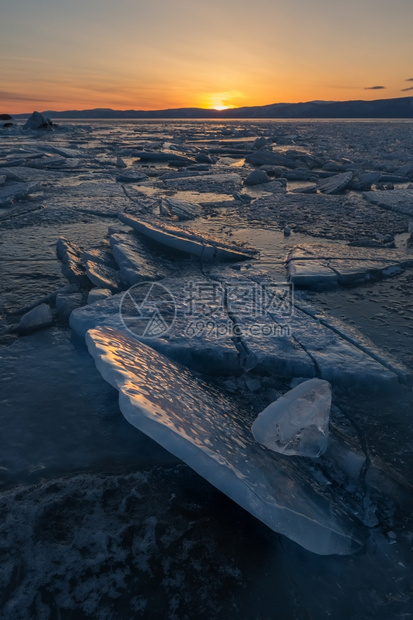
x: 222, y: 107
x: 220, y: 101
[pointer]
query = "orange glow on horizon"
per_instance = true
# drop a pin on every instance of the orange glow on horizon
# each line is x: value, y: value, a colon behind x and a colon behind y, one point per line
x: 161, y: 55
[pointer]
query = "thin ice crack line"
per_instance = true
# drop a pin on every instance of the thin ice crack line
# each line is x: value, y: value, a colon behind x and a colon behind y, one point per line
x: 399, y: 373
x: 238, y: 342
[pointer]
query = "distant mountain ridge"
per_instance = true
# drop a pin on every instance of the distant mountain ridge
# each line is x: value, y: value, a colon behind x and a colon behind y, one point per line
x: 401, y: 107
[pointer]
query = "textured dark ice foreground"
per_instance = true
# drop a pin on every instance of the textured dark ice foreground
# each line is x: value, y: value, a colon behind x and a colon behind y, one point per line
x: 213, y: 436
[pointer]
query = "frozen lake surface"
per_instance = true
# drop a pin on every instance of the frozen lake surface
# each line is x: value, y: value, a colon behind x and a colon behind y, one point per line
x: 98, y: 520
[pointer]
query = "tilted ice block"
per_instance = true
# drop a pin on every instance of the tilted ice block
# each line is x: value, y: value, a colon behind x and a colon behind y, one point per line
x: 60, y: 150
x: 266, y: 156
x: 16, y: 191
x: 206, y: 430
x: 399, y: 200
x: 202, y: 246
x: 98, y: 294
x: 161, y: 156
x: 99, y: 255
x: 178, y: 209
x: 38, y: 318
x: 135, y: 263
x: 104, y: 312
x: 324, y: 266
x: 72, y: 267
x: 206, y: 183
x: 297, y: 423
x: 66, y: 303
x: 131, y: 177
x: 103, y: 276
x: 311, y: 274
x: 336, y: 183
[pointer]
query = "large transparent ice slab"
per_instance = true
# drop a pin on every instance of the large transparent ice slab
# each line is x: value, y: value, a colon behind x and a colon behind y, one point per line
x: 207, y: 431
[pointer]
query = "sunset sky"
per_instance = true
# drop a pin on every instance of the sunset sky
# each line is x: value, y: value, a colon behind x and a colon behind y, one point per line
x: 157, y: 54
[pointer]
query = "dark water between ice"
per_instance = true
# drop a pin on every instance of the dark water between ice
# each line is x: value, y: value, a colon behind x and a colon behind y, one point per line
x: 98, y: 521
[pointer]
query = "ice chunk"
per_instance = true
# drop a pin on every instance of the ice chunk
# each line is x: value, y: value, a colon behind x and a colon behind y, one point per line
x: 136, y: 263
x: 63, y: 151
x: 336, y: 183
x: 297, y: 423
x: 206, y: 183
x: 187, y: 241
x: 131, y: 177
x: 38, y: 121
x: 257, y: 177
x: 324, y: 266
x: 38, y: 318
x: 205, y: 158
x: 314, y: 274
x: 120, y: 163
x: 260, y: 142
x: 72, y: 268
x: 103, y: 276
x: 65, y: 304
x: 399, y: 200
x: 16, y: 191
x: 206, y: 430
x: 160, y: 156
x: 171, y: 207
x: 265, y: 156
x: 98, y: 294
x: 100, y: 255
x: 365, y: 181
x: 101, y: 312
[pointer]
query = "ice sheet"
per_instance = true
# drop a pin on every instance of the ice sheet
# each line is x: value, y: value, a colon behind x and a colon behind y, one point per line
x: 204, y: 429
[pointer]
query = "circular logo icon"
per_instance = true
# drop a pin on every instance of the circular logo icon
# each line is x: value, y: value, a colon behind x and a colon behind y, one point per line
x: 147, y: 310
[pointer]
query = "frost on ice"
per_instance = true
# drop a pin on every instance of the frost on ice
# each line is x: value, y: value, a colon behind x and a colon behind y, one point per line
x: 297, y: 423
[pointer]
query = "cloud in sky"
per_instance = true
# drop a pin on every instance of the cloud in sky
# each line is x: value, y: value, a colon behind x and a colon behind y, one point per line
x: 404, y: 90
x: 14, y: 96
x: 375, y: 87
